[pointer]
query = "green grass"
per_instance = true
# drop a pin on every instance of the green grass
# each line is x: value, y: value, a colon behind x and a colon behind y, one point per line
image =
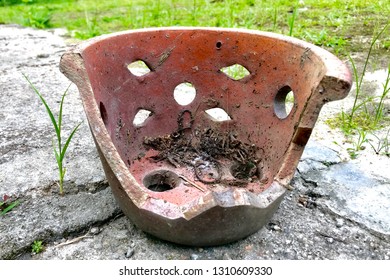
x: 368, y: 113
x: 382, y: 145
x: 37, y: 247
x: 327, y: 23
x: 59, y: 147
x: 6, y: 205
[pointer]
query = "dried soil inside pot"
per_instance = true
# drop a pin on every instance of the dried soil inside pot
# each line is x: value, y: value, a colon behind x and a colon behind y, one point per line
x: 215, y: 157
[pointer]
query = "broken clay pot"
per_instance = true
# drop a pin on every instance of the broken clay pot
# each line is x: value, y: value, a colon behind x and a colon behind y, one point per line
x: 200, y: 130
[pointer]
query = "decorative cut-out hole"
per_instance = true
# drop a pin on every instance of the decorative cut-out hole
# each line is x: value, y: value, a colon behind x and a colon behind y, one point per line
x: 235, y: 72
x: 218, y: 114
x: 141, y: 117
x: 161, y: 181
x: 138, y: 68
x: 184, y: 93
x: 284, y: 102
x: 103, y: 113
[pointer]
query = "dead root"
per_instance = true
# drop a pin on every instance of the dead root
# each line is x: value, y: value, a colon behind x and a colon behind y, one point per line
x: 206, y: 150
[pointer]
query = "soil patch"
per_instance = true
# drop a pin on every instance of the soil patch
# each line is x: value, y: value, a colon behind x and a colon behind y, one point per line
x: 208, y: 151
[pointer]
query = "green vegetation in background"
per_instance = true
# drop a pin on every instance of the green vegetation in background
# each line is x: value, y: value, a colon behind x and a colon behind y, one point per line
x: 368, y: 113
x: 330, y: 24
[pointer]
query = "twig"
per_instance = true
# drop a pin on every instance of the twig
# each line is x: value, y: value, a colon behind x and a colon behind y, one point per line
x: 330, y: 236
x: 77, y: 239
x: 192, y: 183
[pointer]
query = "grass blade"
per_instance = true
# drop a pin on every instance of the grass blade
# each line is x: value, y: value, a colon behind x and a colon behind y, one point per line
x: 60, y: 121
x: 9, y: 208
x: 60, y: 112
x: 57, y: 156
x: 356, y: 76
x: 386, y: 90
x: 374, y: 40
x: 291, y: 21
x: 62, y: 155
x: 60, y: 152
x: 53, y: 120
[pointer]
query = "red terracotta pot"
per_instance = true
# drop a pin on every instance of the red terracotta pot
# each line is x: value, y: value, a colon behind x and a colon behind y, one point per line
x: 179, y: 171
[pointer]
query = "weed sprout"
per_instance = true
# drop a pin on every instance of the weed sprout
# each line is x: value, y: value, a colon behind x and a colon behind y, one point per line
x: 58, y: 146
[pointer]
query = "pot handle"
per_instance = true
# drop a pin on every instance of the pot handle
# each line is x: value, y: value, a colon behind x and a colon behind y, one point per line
x: 334, y: 85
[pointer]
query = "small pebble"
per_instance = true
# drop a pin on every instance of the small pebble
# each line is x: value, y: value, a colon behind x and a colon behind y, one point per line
x: 277, y: 228
x: 339, y: 223
x: 226, y: 256
x: 43, y: 55
x: 330, y: 239
x: 194, y: 257
x: 288, y: 242
x: 116, y: 257
x: 317, y: 239
x: 94, y: 230
x: 129, y: 253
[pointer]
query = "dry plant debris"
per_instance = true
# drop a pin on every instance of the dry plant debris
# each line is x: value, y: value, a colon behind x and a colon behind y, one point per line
x: 207, y: 151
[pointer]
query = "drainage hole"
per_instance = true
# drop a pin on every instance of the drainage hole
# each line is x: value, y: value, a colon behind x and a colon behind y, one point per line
x: 160, y: 187
x: 244, y: 170
x: 161, y: 181
x: 218, y: 45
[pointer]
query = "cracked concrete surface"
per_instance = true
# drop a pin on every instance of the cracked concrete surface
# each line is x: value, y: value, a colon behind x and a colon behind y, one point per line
x: 338, y: 209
